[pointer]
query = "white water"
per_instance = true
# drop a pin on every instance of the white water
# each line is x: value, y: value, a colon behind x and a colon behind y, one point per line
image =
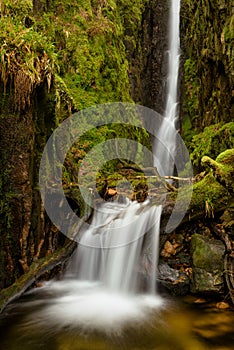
x: 111, y: 281
x: 164, y: 152
x: 122, y: 239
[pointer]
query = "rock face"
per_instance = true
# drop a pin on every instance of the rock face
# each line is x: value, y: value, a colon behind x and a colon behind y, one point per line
x: 207, y: 28
x: 155, y: 43
x: 207, y: 258
x: 148, y: 57
x: 26, y: 235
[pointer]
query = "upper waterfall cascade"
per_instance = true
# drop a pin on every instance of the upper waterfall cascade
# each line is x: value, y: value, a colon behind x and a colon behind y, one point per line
x: 164, y: 151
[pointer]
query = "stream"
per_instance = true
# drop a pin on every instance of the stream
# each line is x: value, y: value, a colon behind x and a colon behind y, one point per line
x: 181, y: 324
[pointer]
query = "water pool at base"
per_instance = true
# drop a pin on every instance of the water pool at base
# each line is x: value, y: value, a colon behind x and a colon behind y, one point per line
x: 55, y: 318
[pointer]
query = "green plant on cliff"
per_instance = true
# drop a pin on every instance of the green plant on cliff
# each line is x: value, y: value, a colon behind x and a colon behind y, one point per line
x: 212, y: 141
x: 209, y: 53
x: 90, y: 50
x: 27, y: 58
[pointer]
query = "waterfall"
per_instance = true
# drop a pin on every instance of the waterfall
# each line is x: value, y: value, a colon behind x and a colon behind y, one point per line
x: 111, y: 278
x: 164, y: 151
x: 121, y: 240
x: 112, y: 249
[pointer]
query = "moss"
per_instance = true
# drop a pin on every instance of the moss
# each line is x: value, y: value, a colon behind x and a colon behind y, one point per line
x: 209, y: 197
x: 222, y: 168
x: 17, y: 9
x: 212, y: 141
x: 226, y: 157
x: 209, y: 194
x: 27, y: 59
x: 83, y: 44
x: 207, y: 254
x: 208, y: 78
x: 191, y: 87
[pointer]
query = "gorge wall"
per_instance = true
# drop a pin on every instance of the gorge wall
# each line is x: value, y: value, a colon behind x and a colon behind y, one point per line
x: 207, y: 30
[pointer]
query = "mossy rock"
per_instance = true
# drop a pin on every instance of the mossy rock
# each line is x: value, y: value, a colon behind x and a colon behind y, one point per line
x: 208, y: 264
x: 207, y: 253
x: 223, y: 168
x: 211, y: 142
x: 213, y: 190
x: 207, y: 282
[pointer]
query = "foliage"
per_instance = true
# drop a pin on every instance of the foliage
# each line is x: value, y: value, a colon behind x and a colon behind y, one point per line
x: 90, y: 50
x: 209, y: 61
x: 27, y: 58
x: 17, y: 9
x: 83, y: 42
x: 77, y: 48
x: 212, y: 141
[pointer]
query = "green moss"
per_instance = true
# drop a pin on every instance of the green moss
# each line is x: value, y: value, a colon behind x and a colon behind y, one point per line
x: 17, y: 9
x: 192, y: 87
x: 212, y: 141
x: 209, y: 192
x: 222, y: 168
x: 207, y: 254
x: 84, y: 43
x: 208, y: 197
x: 210, y: 61
x: 226, y: 157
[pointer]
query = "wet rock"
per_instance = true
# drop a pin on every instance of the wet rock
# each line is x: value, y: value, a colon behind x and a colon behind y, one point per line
x: 207, y: 259
x: 222, y: 305
x: 173, y: 281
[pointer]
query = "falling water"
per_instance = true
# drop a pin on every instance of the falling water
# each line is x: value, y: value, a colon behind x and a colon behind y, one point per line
x: 121, y: 241
x: 164, y: 151
x: 111, y: 280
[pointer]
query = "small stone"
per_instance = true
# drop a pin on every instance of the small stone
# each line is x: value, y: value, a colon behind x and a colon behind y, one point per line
x: 111, y: 192
x: 222, y: 305
x: 168, y: 250
x: 200, y: 301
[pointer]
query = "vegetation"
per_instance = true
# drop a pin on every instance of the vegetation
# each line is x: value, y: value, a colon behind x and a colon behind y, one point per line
x: 212, y: 141
x: 209, y: 62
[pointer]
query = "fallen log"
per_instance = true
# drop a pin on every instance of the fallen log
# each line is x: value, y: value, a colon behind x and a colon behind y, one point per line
x: 36, y: 272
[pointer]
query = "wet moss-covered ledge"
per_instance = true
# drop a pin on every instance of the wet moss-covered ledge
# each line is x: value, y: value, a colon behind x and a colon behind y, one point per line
x: 40, y: 269
x: 212, y: 189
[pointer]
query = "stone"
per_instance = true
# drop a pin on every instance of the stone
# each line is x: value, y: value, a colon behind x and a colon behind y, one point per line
x: 173, y: 281
x: 222, y: 305
x: 207, y: 260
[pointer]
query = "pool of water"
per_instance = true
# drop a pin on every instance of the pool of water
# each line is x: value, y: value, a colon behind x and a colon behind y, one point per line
x: 72, y: 316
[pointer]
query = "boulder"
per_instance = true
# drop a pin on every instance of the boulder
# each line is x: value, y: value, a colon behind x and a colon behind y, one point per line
x: 208, y: 265
x: 173, y: 281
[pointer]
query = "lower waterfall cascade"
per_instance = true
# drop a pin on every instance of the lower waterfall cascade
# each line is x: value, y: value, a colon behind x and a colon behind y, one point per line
x: 112, y: 248
x: 110, y: 281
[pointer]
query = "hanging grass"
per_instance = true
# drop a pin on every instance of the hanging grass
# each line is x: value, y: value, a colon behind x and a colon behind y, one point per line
x: 27, y: 59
